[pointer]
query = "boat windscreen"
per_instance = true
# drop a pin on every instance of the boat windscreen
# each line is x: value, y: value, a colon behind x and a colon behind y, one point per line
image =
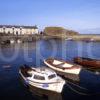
x: 38, y: 77
x: 51, y: 76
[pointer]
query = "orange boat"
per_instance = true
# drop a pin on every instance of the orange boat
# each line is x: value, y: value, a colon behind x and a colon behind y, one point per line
x: 87, y: 62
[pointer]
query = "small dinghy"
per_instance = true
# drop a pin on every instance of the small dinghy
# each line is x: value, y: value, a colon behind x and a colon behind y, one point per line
x: 41, y: 81
x: 88, y: 63
x: 66, y: 69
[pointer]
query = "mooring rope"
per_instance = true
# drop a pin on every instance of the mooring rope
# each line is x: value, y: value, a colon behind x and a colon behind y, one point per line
x: 76, y: 85
x: 75, y: 90
x: 78, y: 92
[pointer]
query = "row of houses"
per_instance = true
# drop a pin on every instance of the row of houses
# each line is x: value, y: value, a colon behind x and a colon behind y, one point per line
x: 18, y: 30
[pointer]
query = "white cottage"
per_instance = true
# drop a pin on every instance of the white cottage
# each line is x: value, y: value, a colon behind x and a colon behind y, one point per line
x: 18, y: 30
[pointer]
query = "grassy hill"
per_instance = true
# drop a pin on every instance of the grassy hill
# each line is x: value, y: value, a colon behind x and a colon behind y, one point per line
x: 57, y: 31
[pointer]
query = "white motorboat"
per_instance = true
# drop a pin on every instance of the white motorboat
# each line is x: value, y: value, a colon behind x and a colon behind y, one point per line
x: 66, y: 69
x: 41, y: 80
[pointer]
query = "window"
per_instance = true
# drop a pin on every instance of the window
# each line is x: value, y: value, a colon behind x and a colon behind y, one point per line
x: 13, y: 30
x: 16, y: 32
x: 52, y: 76
x: 28, y: 74
x: 20, y: 30
x: 39, y: 77
x: 8, y: 32
x: 4, y: 29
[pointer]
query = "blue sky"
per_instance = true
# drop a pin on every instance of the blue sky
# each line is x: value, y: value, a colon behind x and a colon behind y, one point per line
x: 72, y: 14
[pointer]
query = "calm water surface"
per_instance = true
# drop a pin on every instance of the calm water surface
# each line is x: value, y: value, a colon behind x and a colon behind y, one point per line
x: 14, y: 55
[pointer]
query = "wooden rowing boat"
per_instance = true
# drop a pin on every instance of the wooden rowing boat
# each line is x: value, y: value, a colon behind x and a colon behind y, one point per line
x: 63, y: 68
x: 88, y: 63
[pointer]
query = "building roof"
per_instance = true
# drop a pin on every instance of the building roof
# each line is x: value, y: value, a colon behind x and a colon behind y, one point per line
x: 18, y: 26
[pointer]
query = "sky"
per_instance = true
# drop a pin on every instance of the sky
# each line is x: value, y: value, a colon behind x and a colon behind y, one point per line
x: 71, y: 14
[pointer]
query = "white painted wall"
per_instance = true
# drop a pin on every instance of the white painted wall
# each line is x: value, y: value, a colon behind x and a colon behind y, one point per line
x: 0, y: 30
x: 36, y: 31
x: 23, y: 31
x: 7, y: 30
x: 17, y: 31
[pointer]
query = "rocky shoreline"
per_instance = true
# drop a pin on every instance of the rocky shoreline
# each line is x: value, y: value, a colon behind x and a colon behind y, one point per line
x: 79, y: 37
x: 31, y: 38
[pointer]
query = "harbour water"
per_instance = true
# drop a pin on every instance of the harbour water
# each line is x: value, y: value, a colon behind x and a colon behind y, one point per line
x: 12, y: 56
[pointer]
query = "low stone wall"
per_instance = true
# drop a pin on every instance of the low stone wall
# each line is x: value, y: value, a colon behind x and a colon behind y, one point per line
x: 22, y: 38
x: 85, y: 37
x: 78, y: 37
x: 30, y: 38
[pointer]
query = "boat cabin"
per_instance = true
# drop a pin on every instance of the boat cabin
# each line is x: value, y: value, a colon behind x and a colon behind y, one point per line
x: 42, y: 75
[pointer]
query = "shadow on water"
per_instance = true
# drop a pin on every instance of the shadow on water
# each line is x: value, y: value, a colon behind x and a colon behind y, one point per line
x: 10, y: 85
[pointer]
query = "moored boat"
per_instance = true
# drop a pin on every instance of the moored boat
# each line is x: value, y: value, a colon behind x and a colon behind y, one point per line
x: 42, y: 80
x: 88, y: 63
x: 63, y: 68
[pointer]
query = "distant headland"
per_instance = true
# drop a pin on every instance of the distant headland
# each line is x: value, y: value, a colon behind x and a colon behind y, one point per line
x: 67, y: 34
